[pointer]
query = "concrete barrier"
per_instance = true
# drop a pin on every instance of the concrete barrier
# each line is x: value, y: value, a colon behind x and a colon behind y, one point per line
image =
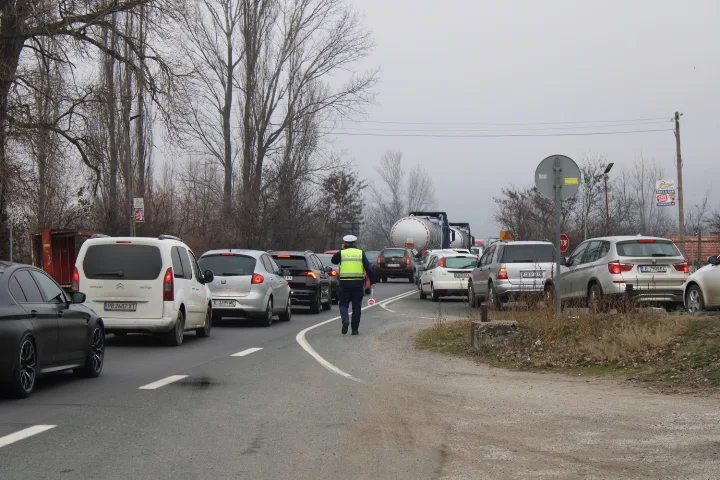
x: 488, y: 333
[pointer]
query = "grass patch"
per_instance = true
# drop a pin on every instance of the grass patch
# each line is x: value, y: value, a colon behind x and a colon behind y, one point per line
x: 676, y: 350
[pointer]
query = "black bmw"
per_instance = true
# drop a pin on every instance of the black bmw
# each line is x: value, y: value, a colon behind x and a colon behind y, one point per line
x: 43, y: 330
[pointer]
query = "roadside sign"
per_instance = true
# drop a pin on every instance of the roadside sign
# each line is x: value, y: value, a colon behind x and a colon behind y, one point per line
x: 665, y: 193
x: 506, y: 236
x: 139, y: 210
x: 564, y: 243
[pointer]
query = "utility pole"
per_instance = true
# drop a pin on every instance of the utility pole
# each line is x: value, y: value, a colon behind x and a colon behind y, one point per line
x: 680, y: 194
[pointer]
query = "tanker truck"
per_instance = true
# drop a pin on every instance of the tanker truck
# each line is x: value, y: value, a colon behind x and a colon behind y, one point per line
x: 421, y: 231
x: 461, y: 236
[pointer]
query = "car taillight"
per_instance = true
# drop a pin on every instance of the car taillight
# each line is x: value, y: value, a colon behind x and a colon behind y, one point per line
x: 311, y: 275
x: 257, y: 279
x: 227, y: 254
x: 502, y: 274
x: 169, y: 286
x: 682, y: 267
x: 380, y: 260
x: 646, y: 240
x: 441, y: 262
x: 75, y: 280
x: 334, y: 273
x: 407, y: 261
x: 616, y: 268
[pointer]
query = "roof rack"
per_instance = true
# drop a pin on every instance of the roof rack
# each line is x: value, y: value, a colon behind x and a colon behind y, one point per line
x: 99, y: 235
x: 169, y: 237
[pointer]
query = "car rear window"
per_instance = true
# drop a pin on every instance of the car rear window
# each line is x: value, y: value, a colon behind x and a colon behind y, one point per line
x: 126, y: 261
x: 292, y: 261
x: 639, y: 248
x: 325, y: 259
x: 539, y: 253
x: 394, y: 253
x: 229, y: 265
x: 460, y: 262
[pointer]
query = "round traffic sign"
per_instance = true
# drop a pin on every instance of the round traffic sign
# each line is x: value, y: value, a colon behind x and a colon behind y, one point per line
x: 568, y: 178
x: 371, y: 302
x: 564, y: 243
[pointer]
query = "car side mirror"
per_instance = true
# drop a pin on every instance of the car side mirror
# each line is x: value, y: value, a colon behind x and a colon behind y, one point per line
x: 78, y: 297
x: 208, y: 276
x: 714, y: 260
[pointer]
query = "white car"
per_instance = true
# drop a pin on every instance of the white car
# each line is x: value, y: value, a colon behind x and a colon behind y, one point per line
x: 145, y: 285
x: 702, y: 290
x: 446, y: 273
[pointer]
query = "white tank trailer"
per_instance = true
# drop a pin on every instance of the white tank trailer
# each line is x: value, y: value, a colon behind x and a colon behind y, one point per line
x: 459, y: 238
x: 420, y: 233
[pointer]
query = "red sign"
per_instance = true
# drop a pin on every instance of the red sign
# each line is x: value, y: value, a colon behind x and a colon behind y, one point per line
x: 564, y: 243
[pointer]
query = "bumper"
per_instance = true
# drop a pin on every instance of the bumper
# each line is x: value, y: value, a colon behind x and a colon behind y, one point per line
x: 648, y: 296
x: 403, y: 272
x: 506, y: 290
x: 303, y: 297
x: 451, y: 287
x: 251, y: 304
x: 139, y: 325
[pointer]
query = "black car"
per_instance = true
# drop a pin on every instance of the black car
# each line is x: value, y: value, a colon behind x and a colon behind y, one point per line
x: 308, y: 278
x: 325, y: 258
x: 395, y: 263
x: 44, y: 330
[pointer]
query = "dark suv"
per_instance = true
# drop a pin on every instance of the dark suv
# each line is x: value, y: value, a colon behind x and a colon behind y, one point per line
x: 395, y: 263
x: 309, y: 279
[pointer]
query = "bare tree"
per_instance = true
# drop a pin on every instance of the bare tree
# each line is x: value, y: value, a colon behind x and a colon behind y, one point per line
x: 590, y: 195
x: 420, y: 190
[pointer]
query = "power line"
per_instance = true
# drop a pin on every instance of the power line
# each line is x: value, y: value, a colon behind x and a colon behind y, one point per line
x: 430, y: 135
x: 512, y: 124
x: 498, y: 129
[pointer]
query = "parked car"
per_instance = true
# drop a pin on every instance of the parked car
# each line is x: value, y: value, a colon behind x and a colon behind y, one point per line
x: 247, y: 283
x: 325, y: 258
x: 309, y: 279
x: 599, y: 271
x: 145, y: 285
x: 702, y: 290
x: 510, y: 270
x: 368, y: 285
x: 446, y: 274
x: 395, y: 263
x: 43, y: 329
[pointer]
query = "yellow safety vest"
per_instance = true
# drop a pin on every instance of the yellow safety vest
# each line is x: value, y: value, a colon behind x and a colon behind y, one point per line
x: 351, y: 264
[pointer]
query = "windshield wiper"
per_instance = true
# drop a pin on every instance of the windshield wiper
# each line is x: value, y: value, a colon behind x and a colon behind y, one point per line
x: 231, y: 274
x: 119, y: 273
x: 661, y: 255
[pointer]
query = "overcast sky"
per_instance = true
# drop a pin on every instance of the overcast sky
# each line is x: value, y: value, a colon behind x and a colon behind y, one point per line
x: 540, y: 61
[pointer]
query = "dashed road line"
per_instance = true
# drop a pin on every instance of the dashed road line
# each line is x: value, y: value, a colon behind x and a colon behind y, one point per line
x: 306, y: 346
x: 247, y: 351
x: 163, y: 382
x: 23, y: 434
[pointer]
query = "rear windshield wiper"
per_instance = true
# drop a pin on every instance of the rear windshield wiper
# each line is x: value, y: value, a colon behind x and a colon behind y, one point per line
x: 232, y: 274
x: 119, y: 273
x: 661, y: 255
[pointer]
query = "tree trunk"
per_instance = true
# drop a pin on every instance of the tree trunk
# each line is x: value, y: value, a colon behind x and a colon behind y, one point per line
x: 140, y: 125
x: 227, y: 139
x: 112, y: 207
x: 126, y: 103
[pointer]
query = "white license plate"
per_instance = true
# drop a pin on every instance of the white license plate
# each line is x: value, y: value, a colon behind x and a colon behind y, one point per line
x: 531, y: 274
x: 462, y: 275
x: 224, y: 303
x: 393, y: 264
x: 653, y: 268
x: 288, y: 277
x: 120, y: 306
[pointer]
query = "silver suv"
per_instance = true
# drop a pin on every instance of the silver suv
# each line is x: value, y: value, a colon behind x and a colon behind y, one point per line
x: 600, y: 270
x: 508, y: 270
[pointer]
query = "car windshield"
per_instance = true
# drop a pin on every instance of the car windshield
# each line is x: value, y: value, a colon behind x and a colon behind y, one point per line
x: 325, y: 259
x: 531, y: 253
x: 393, y: 253
x: 647, y: 248
x: 291, y: 261
x: 228, y: 265
x: 460, y: 262
x: 122, y: 260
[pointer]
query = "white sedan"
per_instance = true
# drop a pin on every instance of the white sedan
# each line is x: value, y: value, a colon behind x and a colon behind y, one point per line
x: 446, y: 273
x: 702, y: 290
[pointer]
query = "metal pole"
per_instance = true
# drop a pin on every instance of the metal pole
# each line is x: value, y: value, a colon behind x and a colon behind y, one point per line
x: 558, y: 204
x: 680, y: 193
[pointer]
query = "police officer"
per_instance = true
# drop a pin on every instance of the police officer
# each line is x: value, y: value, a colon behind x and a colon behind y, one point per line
x: 353, y: 264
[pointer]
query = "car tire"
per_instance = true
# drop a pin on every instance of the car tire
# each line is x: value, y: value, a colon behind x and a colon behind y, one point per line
x: 95, y: 358
x: 694, y: 300
x: 412, y: 278
x: 472, y: 299
x: 267, y: 319
x: 177, y: 333
x: 493, y: 301
x: 316, y: 305
x: 287, y: 314
x: 328, y: 305
x: 204, y: 331
x: 595, y: 299
x: 383, y: 279
x: 434, y: 296
x: 22, y: 381
x: 423, y: 295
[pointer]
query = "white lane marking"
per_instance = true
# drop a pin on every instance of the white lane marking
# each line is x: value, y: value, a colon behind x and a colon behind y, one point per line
x: 306, y: 346
x: 163, y: 382
x: 383, y: 306
x: 23, y: 434
x: 246, y: 352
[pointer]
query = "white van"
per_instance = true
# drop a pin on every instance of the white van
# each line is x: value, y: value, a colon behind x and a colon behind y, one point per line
x: 145, y: 285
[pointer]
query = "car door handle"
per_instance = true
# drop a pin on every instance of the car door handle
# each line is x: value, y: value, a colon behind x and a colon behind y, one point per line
x: 34, y: 313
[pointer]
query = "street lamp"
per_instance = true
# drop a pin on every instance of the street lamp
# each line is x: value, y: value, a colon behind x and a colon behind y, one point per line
x: 607, y: 207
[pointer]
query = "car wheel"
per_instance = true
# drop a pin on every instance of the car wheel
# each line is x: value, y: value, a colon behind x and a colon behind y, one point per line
x: 204, y: 331
x: 595, y: 300
x: 315, y: 306
x: 96, y: 356
x: 383, y: 279
x: 472, y: 299
x: 23, y: 378
x: 434, y: 296
x: 176, y: 334
x: 267, y: 318
x: 694, y: 301
x: 287, y: 314
x: 412, y: 278
x: 328, y: 305
x: 493, y: 300
x: 423, y: 295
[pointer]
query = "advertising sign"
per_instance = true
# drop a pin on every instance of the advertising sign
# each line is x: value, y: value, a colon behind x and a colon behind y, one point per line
x: 665, y: 193
x: 139, y: 210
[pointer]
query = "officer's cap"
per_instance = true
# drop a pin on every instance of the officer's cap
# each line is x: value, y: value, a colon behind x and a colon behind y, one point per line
x: 349, y: 238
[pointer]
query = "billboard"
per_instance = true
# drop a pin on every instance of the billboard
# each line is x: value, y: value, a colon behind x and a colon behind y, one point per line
x: 139, y: 209
x: 665, y: 193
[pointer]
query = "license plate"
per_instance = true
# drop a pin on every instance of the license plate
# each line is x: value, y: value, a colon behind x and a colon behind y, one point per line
x: 653, y: 268
x: 288, y: 277
x: 461, y: 275
x: 393, y: 264
x: 120, y: 306
x: 224, y: 303
x: 534, y: 274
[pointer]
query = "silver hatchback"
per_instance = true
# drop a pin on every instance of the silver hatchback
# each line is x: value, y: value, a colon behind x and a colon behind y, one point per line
x: 247, y: 283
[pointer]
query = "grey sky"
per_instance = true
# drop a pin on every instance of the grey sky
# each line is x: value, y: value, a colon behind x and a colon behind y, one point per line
x: 541, y: 61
